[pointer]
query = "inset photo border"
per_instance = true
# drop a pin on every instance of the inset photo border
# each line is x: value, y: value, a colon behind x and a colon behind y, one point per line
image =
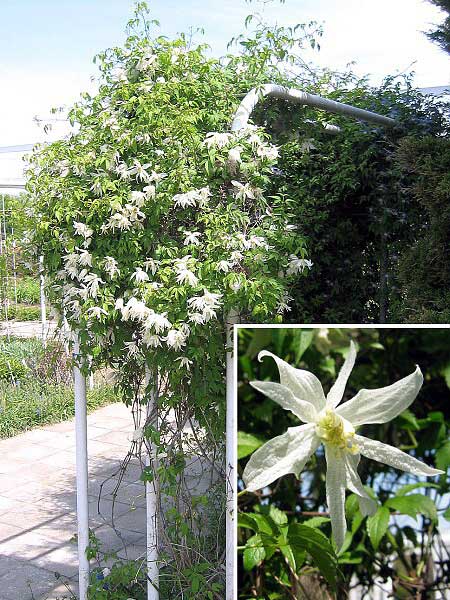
x: 342, y: 461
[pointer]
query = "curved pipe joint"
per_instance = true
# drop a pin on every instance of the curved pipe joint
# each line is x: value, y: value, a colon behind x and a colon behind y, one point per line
x: 278, y: 91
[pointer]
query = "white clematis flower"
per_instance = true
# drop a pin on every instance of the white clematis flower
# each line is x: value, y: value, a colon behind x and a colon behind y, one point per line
x: 176, y: 339
x: 82, y: 229
x: 234, y: 155
x: 214, y: 138
x: 192, y: 237
x: 110, y: 266
x: 268, y: 152
x: 333, y: 426
x: 139, y: 275
x: 243, y: 191
x: 298, y: 265
x: 140, y: 171
x: 186, y: 276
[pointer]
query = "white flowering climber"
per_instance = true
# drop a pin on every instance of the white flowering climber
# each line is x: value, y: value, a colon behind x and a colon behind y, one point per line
x: 334, y: 426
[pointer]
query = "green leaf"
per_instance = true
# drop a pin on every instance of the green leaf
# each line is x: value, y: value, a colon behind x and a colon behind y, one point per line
x: 261, y: 338
x: 278, y: 516
x: 443, y: 456
x: 316, y: 521
x: 377, y: 526
x: 318, y: 547
x: 414, y: 486
x: 347, y: 543
x: 302, y: 341
x: 446, y: 514
x: 408, y: 420
x: 413, y: 505
x: 357, y: 522
x: 254, y: 552
x: 247, y: 522
x: 288, y: 554
x: 351, y: 506
x: 247, y: 444
x: 265, y: 524
x: 348, y: 559
x: 279, y: 336
x: 445, y: 371
x: 147, y: 475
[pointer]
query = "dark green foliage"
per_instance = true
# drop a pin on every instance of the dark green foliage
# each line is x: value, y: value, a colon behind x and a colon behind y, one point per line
x: 424, y: 269
x: 441, y: 35
x: 355, y: 199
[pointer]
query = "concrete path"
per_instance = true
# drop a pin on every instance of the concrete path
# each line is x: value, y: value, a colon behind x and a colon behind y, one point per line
x: 27, y: 329
x: 37, y: 504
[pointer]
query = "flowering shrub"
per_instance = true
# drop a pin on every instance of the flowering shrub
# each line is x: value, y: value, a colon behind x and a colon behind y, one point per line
x: 153, y: 226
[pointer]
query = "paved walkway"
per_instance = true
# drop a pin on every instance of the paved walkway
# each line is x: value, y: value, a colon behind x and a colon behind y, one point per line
x: 37, y: 504
x: 26, y: 329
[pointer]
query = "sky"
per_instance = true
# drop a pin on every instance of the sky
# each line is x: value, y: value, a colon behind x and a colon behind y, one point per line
x: 47, y: 46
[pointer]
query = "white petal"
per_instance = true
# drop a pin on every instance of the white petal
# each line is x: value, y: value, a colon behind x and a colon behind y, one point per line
x: 383, y: 404
x: 305, y: 411
x: 337, y: 391
x: 287, y: 453
x: 389, y: 455
x: 367, y: 505
x: 303, y: 384
x: 335, y: 488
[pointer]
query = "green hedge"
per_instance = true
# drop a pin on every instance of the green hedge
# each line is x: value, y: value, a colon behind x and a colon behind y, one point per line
x: 372, y: 203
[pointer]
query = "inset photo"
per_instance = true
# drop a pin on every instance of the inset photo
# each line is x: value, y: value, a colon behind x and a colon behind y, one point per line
x: 343, y: 457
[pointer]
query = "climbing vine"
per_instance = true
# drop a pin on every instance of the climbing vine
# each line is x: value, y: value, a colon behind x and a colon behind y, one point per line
x: 154, y: 221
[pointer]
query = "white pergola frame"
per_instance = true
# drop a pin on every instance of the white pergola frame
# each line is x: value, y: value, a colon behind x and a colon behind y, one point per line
x: 240, y: 121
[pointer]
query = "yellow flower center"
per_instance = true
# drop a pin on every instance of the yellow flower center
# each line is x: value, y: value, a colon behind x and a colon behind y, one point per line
x: 336, y: 431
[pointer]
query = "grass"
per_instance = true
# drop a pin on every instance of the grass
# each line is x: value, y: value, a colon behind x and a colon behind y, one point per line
x: 22, y: 312
x: 27, y: 288
x: 27, y: 293
x: 34, y: 403
x: 37, y: 387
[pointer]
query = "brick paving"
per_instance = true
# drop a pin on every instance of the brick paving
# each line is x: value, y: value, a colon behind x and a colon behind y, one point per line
x: 38, y: 561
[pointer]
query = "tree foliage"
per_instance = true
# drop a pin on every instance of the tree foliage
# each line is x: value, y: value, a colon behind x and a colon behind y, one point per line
x: 441, y: 35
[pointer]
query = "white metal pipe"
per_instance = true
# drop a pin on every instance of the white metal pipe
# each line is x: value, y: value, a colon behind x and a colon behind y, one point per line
x: 81, y: 470
x: 14, y: 249
x: 231, y: 461
x: 152, y: 494
x: 247, y: 105
x: 43, y: 307
x: 240, y: 121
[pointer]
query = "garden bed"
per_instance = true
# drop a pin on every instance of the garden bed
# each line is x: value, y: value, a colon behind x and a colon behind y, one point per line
x: 36, y: 386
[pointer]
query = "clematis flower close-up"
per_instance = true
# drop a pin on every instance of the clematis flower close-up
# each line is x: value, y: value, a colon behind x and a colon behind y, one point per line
x: 334, y: 425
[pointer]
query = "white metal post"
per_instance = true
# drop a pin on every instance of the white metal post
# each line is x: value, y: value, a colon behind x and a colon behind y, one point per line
x: 231, y: 463
x: 240, y: 121
x: 152, y: 494
x: 82, y: 470
x: 43, y: 307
